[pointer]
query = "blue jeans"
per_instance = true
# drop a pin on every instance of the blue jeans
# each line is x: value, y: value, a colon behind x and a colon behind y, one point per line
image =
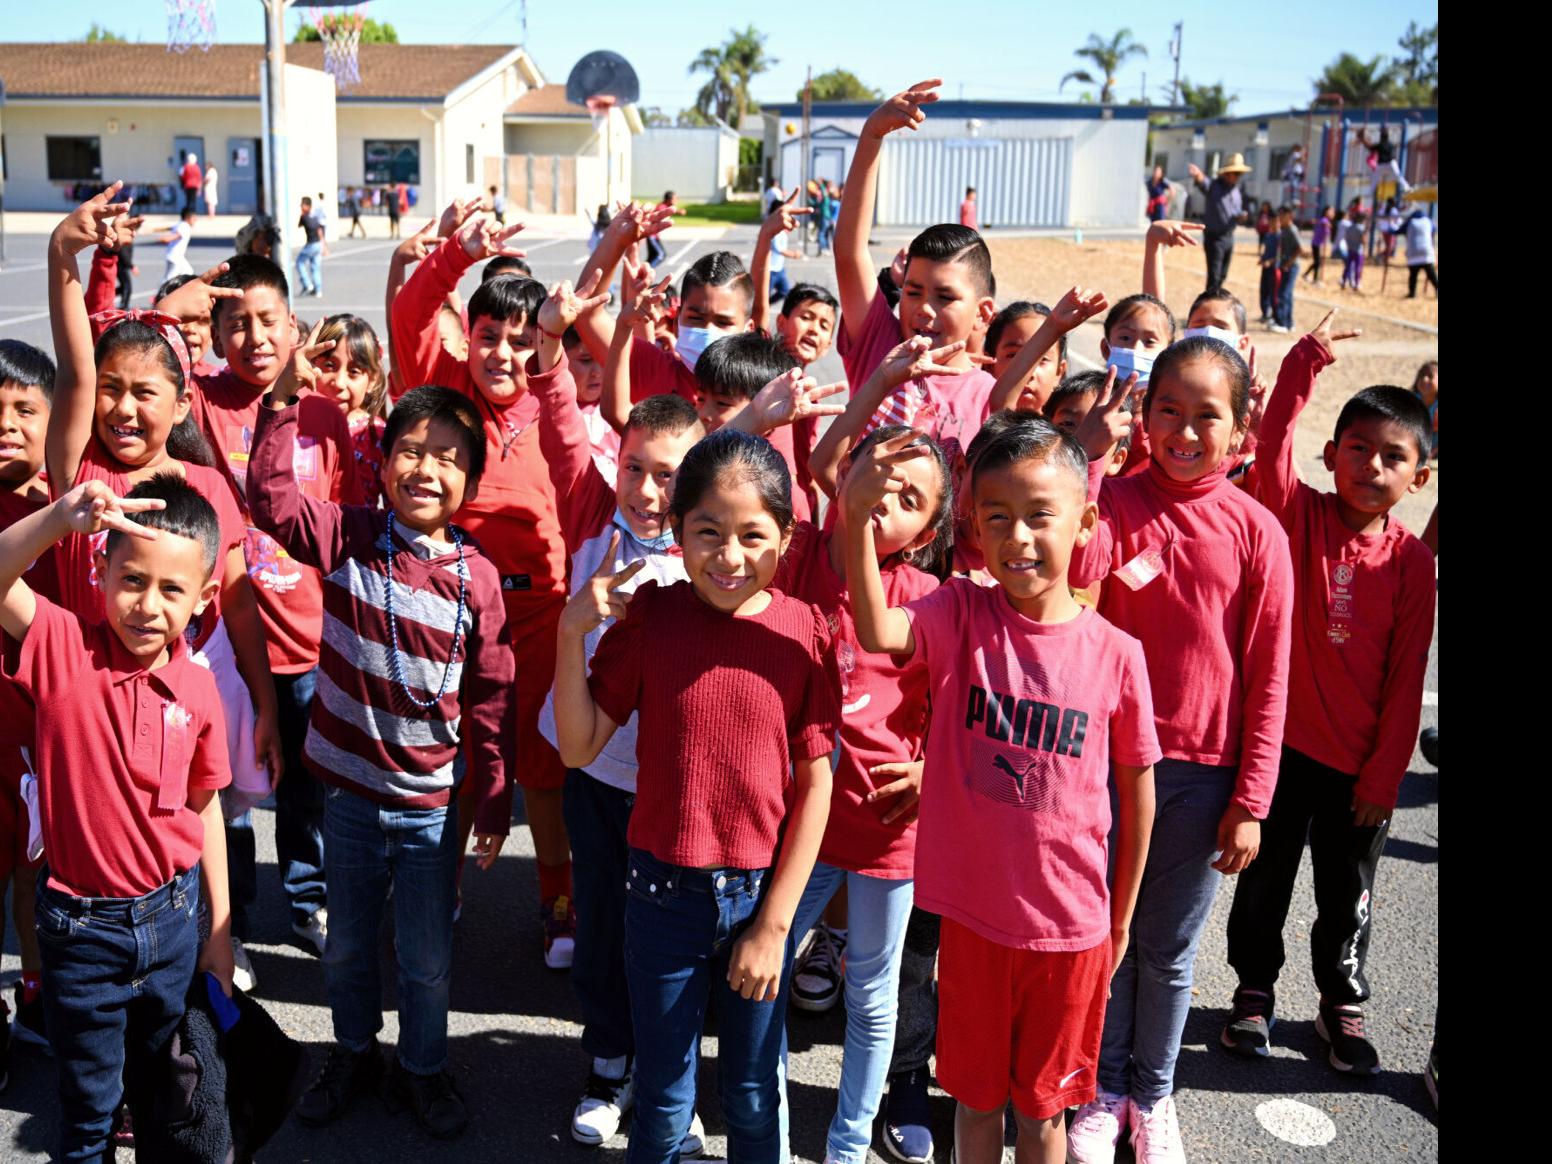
x: 298, y: 801
x: 415, y: 850
x: 597, y: 817
x: 1285, y: 296
x: 1150, y: 995
x: 780, y: 285
x: 680, y: 927
x: 242, y: 872
x: 115, y: 972
x: 877, y: 912
x: 826, y: 234
x: 309, y: 267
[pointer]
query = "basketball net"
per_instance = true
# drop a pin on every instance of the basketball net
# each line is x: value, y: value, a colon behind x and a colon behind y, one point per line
x: 599, y: 107
x: 190, y: 24
x: 341, y: 35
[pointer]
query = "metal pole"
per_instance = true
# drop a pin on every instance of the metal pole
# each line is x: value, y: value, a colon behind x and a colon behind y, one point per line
x: 808, y: 101
x: 277, y: 194
x: 1174, y: 48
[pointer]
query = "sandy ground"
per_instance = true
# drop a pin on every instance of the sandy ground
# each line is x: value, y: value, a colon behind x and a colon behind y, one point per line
x: 1389, y: 351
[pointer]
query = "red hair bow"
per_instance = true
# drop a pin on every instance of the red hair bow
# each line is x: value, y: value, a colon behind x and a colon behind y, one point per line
x: 167, y: 326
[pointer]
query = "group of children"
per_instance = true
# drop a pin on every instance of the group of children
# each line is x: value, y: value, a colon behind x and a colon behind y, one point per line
x: 587, y: 555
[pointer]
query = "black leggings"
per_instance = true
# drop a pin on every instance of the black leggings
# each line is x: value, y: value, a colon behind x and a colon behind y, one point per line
x: 1426, y: 269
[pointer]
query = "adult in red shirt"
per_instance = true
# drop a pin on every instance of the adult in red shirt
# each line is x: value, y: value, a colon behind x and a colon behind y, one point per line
x: 192, y: 178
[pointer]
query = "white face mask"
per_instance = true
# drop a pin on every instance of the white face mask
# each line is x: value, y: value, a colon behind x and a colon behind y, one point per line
x: 693, y: 341
x: 1128, y: 360
x: 1231, y: 338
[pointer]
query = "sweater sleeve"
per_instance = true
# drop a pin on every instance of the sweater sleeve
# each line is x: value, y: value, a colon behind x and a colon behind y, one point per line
x: 654, y: 372
x: 1276, y: 482
x: 491, y: 715
x: 416, y: 341
x: 1091, y: 562
x: 814, y: 733
x: 312, y: 531
x: 1406, y: 670
x: 582, y: 496
x: 1267, y: 637
x: 102, y: 281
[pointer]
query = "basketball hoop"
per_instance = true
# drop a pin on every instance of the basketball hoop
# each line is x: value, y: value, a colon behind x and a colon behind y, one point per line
x: 341, y: 36
x: 599, y: 106
x: 190, y: 24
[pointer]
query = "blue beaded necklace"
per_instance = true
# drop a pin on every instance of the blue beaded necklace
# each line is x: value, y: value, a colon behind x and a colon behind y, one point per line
x: 395, y: 666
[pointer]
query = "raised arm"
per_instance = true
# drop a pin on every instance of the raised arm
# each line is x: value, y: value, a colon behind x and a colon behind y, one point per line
x: 787, y: 399
x: 629, y: 226
x: 412, y: 250
x: 581, y: 726
x: 783, y: 217
x: 563, y: 439
x: 1162, y: 235
x: 853, y: 267
x: 1077, y: 305
x: 881, y: 628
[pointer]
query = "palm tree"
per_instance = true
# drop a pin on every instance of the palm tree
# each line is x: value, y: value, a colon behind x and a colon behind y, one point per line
x: 732, y: 67
x: 1109, y: 56
x: 1206, y: 101
x: 1360, y: 83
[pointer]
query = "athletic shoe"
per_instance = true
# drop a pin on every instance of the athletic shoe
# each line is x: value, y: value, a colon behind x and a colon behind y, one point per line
x: 314, y: 930
x: 560, y: 932
x: 1431, y: 1074
x: 817, y: 978
x: 434, y: 1099
x: 1341, y: 1026
x: 1429, y: 743
x: 1097, y: 1128
x: 345, y: 1075
x: 694, y: 1142
x: 243, y: 975
x: 28, y: 1027
x: 603, y: 1105
x: 1249, y: 1029
x: 1156, y: 1133
x: 1280, y: 329
x: 907, y: 1118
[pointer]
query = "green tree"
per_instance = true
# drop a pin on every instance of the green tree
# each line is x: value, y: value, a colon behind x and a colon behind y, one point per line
x: 97, y: 34
x: 842, y: 85
x: 691, y: 117
x: 653, y: 115
x: 1205, y: 101
x: 732, y: 67
x: 1108, y: 56
x: 1358, y: 83
x: 372, y: 32
x: 1417, y: 68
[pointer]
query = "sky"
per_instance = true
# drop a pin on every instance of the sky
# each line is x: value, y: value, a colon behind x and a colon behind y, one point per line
x: 1012, y: 50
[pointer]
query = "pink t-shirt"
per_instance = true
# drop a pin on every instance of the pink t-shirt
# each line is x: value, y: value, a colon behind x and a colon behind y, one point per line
x: 1015, y: 810
x: 967, y: 214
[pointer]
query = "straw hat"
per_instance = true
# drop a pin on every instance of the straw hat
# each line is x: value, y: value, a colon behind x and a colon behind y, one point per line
x: 1236, y: 165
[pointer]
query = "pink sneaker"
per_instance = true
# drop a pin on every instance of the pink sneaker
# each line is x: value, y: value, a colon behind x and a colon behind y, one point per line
x: 1156, y: 1133
x: 1096, y: 1129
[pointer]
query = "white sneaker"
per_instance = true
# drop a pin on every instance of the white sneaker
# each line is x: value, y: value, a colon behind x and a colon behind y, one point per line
x: 602, y: 1106
x: 1096, y: 1129
x: 1156, y: 1133
x: 314, y: 931
x: 695, y: 1139
x: 243, y: 976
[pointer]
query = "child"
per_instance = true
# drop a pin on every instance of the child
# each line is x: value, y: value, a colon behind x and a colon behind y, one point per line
x: 1270, y: 243
x: 774, y: 250
x: 743, y: 674
x: 1137, y: 331
x: 315, y: 248
x: 779, y: 223
x: 1420, y: 231
x: 351, y: 374
x: 1325, y: 225
x: 1200, y: 574
x: 1030, y: 935
x: 353, y: 208
x: 130, y: 752
x: 1364, y: 592
x: 513, y: 515
x: 1014, y: 326
x: 415, y: 682
x: 1288, y: 254
x: 1075, y: 398
x: 26, y: 396
x: 175, y: 260
x: 1425, y: 386
x: 588, y: 376
x: 967, y: 210
x: 1353, y: 246
x: 806, y: 325
x: 607, y: 523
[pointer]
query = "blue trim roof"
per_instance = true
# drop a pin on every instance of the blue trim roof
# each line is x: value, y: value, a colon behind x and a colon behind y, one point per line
x: 1008, y: 110
x: 1427, y: 114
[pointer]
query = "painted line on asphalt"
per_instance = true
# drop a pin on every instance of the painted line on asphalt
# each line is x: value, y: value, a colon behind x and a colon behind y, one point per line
x: 1297, y: 1123
x: 1430, y: 699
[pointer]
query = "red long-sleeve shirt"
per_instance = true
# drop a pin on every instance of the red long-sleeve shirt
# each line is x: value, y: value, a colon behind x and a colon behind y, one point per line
x: 1363, y: 610
x: 1214, y: 623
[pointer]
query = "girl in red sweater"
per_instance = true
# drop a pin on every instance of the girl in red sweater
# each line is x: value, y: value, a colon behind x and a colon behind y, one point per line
x: 737, y: 696
x: 351, y: 373
x: 1201, y: 574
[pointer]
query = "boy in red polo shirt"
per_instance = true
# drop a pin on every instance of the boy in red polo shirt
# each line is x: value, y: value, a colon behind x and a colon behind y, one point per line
x: 131, y: 749
x: 513, y: 515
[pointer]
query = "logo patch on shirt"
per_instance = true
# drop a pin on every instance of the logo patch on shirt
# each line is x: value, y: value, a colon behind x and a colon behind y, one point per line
x: 1339, y: 604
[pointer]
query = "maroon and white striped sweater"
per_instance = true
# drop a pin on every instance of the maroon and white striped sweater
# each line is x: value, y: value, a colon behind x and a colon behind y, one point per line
x: 365, y: 735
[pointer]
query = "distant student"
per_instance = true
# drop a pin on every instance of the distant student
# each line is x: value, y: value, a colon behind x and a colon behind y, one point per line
x: 1325, y: 226
x: 1420, y: 233
x: 1425, y: 386
x: 175, y: 260
x: 353, y: 208
x: 967, y: 210
x: 1289, y: 251
x: 498, y: 205
x: 309, y: 260
x: 1269, y: 244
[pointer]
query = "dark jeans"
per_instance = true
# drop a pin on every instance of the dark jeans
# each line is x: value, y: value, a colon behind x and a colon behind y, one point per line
x: 1268, y: 292
x: 916, y: 1027
x: 190, y: 196
x: 1289, y: 279
x: 597, y: 817
x: 655, y: 252
x: 680, y: 928
x: 126, y: 286
x: 1315, y: 801
x: 115, y: 972
x: 1316, y: 262
x: 242, y: 873
x: 298, y: 802
x: 1425, y: 269
x: 826, y: 235
x: 1220, y: 249
x: 780, y: 285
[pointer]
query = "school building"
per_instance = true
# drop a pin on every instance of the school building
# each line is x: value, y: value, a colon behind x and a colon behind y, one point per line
x: 1033, y: 163
x: 447, y: 120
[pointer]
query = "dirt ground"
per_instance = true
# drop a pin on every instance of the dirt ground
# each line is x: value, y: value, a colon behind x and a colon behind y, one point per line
x: 1388, y: 352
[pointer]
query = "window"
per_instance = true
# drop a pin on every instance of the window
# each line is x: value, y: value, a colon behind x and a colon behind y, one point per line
x: 74, y: 159
x: 468, y: 164
x: 391, y: 161
x: 1279, y: 162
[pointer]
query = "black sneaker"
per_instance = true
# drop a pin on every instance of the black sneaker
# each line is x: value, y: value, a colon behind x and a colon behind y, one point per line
x: 1428, y: 741
x: 907, y: 1117
x: 1431, y: 1074
x: 434, y: 1099
x: 1249, y: 1029
x: 817, y: 974
x: 1341, y: 1025
x: 29, y: 1026
x: 345, y: 1075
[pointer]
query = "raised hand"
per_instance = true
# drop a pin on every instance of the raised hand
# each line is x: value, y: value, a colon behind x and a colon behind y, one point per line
x: 418, y: 245
x: 792, y: 396
x: 898, y: 265
x: 872, y: 474
x: 1172, y: 232
x: 643, y: 308
x: 456, y: 214
x: 599, y: 598
x: 1196, y: 172
x: 1325, y: 337
x: 300, y: 372
x: 92, y: 506
x: 634, y: 276
x: 127, y: 226
x: 483, y: 238
x: 196, y: 298
x: 92, y: 223
x: 1077, y: 306
x: 1259, y: 391
x: 917, y: 357
x: 782, y: 218
x: 903, y: 110
x: 564, y: 304
x: 1107, y: 422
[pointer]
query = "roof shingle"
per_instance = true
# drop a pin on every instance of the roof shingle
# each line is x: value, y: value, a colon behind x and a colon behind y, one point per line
x: 547, y: 101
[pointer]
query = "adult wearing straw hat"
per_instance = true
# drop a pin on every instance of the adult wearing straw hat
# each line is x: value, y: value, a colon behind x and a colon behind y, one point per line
x: 1224, y: 212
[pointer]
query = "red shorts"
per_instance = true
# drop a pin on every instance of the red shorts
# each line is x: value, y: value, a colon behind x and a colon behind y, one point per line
x: 533, y: 625
x: 1019, y: 1024
x: 14, y: 820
